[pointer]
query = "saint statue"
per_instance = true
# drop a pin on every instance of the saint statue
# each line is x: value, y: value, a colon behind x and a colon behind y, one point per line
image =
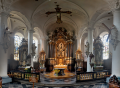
x: 33, y: 49
x: 87, y: 48
x: 6, y: 39
x: 92, y: 60
x: 24, y: 55
x: 117, y: 5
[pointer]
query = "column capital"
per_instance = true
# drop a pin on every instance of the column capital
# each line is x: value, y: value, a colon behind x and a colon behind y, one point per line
x: 31, y: 31
x: 90, y: 28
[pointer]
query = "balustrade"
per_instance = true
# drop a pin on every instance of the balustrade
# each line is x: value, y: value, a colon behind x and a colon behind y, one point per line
x: 85, y: 76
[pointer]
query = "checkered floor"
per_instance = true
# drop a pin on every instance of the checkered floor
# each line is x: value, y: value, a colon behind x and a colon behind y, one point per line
x: 19, y: 85
x: 45, y: 80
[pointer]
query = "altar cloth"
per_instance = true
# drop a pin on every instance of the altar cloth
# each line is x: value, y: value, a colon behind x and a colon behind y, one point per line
x: 61, y: 66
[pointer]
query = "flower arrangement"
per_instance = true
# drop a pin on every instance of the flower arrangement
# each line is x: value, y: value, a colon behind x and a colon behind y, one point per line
x: 26, y: 69
x: 56, y: 71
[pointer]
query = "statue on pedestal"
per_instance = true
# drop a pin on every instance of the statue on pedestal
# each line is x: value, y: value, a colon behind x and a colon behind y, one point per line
x: 6, y: 39
x: 33, y: 49
x: 92, y: 59
x: 87, y: 48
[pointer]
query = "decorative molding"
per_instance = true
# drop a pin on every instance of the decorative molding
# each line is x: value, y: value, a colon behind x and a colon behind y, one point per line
x: 114, y: 37
x: 113, y: 4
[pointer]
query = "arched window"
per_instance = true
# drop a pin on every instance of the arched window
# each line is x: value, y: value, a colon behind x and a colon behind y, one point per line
x: 106, y: 47
x: 17, y: 41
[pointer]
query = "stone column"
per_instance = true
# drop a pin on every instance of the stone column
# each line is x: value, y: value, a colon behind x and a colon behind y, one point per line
x: 30, y: 42
x: 116, y: 49
x: 78, y: 43
x: 4, y: 45
x: 90, y: 40
x: 49, y: 50
x: 67, y: 50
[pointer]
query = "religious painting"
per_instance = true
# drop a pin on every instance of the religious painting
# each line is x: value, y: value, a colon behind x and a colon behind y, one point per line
x: 60, y: 50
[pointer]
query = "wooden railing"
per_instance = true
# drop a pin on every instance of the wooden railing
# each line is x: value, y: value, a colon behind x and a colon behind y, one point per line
x: 23, y: 75
x: 86, y: 76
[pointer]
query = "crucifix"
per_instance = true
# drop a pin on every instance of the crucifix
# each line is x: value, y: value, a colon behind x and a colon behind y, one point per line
x: 58, y: 13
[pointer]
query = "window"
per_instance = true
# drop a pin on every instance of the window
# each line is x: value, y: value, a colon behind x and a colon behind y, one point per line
x: 106, y: 47
x: 17, y: 41
x: 35, y: 58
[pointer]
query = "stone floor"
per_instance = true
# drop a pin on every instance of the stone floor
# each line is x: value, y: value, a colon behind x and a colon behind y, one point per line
x: 45, y: 80
x: 81, y: 85
x: 57, y: 83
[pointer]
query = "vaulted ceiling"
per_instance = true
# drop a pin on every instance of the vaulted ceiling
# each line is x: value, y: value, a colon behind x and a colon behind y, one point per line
x: 83, y: 11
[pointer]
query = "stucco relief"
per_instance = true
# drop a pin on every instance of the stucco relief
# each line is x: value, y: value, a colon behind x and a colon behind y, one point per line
x: 114, y: 37
x: 113, y: 4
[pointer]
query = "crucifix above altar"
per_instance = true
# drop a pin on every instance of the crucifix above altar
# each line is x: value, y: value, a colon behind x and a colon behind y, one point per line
x: 58, y: 13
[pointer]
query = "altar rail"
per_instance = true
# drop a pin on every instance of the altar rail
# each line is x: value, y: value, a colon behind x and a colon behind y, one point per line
x: 23, y: 75
x: 88, y: 76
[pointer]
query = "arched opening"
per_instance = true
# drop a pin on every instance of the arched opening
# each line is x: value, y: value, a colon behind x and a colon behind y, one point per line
x: 35, y: 41
x: 17, y: 41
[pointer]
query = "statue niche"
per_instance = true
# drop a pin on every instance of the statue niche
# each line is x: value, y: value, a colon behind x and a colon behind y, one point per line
x: 60, y: 51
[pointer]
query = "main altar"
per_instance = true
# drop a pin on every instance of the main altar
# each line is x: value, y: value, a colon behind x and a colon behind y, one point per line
x: 60, y: 49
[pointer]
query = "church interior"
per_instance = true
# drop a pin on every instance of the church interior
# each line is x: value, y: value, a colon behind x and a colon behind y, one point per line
x: 59, y: 43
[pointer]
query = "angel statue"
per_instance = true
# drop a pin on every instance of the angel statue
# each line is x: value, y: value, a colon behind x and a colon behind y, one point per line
x: 87, y: 48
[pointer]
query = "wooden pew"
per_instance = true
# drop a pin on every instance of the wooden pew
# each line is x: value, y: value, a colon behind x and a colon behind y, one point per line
x: 0, y: 82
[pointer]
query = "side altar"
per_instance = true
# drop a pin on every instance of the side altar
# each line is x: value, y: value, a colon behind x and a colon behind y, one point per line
x: 98, y: 52
x: 24, y: 58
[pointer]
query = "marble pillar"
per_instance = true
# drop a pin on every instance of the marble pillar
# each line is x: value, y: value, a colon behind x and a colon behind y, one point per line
x: 4, y: 46
x: 78, y: 44
x: 116, y: 51
x: 30, y: 42
x: 90, y: 40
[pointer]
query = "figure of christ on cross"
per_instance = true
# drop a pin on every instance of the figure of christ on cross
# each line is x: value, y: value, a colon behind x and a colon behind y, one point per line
x: 58, y: 13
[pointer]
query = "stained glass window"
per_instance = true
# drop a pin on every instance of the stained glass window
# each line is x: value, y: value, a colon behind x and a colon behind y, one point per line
x: 106, y: 47
x: 17, y: 41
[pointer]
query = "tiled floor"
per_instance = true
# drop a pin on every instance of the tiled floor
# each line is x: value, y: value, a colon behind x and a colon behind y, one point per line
x: 87, y: 85
x: 58, y: 83
x: 45, y: 80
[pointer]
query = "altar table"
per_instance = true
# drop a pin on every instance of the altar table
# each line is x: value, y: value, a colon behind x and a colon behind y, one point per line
x: 61, y: 72
x: 61, y: 66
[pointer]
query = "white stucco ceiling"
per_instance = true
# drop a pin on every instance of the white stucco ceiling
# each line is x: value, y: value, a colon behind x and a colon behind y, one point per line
x: 34, y: 11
